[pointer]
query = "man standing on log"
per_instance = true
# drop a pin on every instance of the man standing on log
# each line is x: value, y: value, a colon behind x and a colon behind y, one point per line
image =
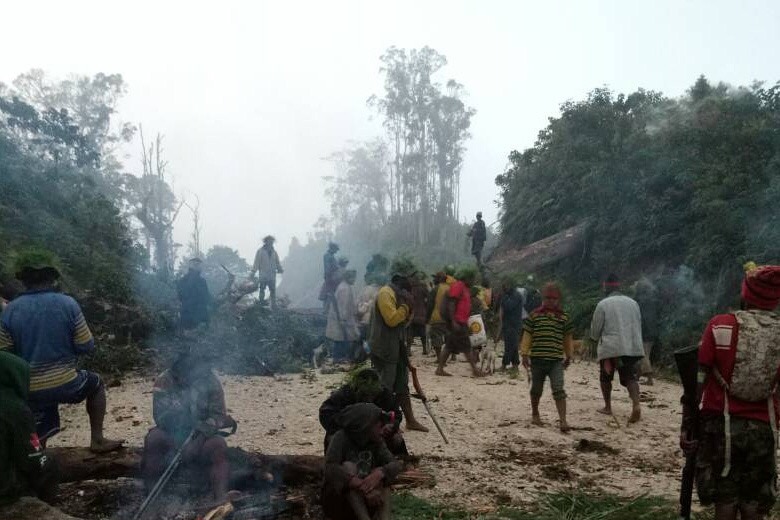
x: 359, y: 468
x: 478, y: 234
x: 739, y: 366
x: 267, y: 266
x: 388, y: 346
x: 47, y: 329
x: 188, y: 397
x: 24, y: 467
x: 617, y: 329
x: 363, y: 386
x: 194, y: 296
x: 458, y: 305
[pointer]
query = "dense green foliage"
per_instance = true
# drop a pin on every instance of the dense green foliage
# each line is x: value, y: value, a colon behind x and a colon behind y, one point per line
x: 664, y: 182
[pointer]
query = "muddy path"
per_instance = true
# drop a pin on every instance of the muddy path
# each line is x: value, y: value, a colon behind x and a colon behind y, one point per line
x: 495, y: 456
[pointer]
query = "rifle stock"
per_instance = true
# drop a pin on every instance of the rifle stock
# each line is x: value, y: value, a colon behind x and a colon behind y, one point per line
x: 687, y: 360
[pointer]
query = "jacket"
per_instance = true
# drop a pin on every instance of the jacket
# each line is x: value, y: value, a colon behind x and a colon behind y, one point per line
x: 353, y: 443
x: 387, y: 325
x: 24, y: 467
x: 267, y: 264
x: 343, y: 315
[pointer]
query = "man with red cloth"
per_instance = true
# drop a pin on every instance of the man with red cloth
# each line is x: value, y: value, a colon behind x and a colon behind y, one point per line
x: 739, y: 366
x: 458, y: 303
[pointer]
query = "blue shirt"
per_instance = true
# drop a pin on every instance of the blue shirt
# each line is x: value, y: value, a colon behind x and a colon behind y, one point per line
x: 48, y: 330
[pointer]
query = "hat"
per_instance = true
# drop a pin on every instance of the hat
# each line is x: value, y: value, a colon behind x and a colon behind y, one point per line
x: 35, y: 260
x: 612, y: 281
x: 268, y: 238
x: 761, y: 286
x: 479, y: 214
x: 333, y: 246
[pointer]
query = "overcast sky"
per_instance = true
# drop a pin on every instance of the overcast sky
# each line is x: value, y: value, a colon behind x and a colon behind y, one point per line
x: 252, y: 95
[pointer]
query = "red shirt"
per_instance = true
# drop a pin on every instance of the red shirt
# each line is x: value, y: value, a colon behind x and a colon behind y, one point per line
x: 460, y: 292
x: 719, y: 348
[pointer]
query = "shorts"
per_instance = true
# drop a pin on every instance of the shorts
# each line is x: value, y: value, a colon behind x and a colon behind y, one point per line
x: 541, y: 368
x: 416, y: 330
x: 437, y: 333
x: 753, y: 477
x: 626, y: 367
x: 45, y: 403
x: 458, y: 342
x: 394, y: 376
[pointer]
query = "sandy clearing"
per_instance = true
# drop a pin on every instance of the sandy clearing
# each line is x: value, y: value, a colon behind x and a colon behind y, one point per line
x: 494, y: 449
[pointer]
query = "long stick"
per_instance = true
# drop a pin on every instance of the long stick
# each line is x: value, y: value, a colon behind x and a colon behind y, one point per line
x: 164, y: 478
x: 421, y: 394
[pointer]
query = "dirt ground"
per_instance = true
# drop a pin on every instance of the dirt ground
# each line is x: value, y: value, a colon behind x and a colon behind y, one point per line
x: 495, y: 456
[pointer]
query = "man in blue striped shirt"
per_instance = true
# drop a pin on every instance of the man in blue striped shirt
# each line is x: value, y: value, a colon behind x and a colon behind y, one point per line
x: 48, y: 330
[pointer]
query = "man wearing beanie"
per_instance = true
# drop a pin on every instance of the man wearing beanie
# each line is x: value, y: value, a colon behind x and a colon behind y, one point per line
x: 617, y: 329
x: 739, y: 363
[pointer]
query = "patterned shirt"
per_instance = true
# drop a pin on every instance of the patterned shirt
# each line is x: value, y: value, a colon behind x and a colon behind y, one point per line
x: 547, y: 335
x: 48, y: 330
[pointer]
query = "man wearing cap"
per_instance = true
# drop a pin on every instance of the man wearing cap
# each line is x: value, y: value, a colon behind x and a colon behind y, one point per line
x: 389, y: 358
x: 47, y: 329
x: 194, y: 296
x: 267, y: 266
x: 616, y: 327
x: 478, y: 234
x: 736, y: 463
x: 342, y: 327
x: 188, y: 397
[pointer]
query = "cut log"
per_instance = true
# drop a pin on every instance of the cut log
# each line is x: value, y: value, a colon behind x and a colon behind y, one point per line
x: 30, y: 508
x: 78, y: 464
x: 541, y: 253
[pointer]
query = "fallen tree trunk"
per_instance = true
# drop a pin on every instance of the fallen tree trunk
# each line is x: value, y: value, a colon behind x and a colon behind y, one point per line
x: 77, y: 464
x: 541, y: 253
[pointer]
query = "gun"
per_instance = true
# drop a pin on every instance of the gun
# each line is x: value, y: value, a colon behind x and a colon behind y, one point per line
x: 687, y: 360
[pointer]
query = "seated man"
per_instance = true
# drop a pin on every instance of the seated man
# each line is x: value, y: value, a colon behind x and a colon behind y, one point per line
x: 363, y: 386
x: 24, y: 468
x: 188, y: 397
x: 47, y: 329
x: 358, y: 467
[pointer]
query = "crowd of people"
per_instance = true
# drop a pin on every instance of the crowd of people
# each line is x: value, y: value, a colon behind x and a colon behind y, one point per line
x: 731, y: 425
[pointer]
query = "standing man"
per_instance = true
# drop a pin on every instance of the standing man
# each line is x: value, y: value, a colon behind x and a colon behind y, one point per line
x: 267, y: 266
x: 47, y: 329
x: 437, y: 327
x: 617, y: 329
x: 330, y: 268
x: 387, y: 340
x: 342, y: 327
x: 478, y: 234
x: 546, y: 347
x: 188, y: 397
x: 458, y: 302
x: 510, y: 317
x: 416, y: 327
x: 194, y: 296
x: 739, y: 363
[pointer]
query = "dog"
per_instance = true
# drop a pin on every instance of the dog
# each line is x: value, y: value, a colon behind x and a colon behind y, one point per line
x: 487, y: 360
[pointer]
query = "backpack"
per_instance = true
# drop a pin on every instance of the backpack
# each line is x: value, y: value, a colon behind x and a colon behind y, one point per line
x: 757, y: 357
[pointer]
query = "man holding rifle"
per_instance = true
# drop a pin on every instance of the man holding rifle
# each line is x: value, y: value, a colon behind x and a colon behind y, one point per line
x: 739, y: 364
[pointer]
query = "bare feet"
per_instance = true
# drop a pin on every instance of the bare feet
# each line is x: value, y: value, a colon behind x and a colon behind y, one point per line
x: 414, y: 425
x: 636, y: 414
x: 441, y: 372
x: 565, y: 428
x: 605, y: 411
x: 105, y: 445
x: 478, y: 373
x: 537, y: 421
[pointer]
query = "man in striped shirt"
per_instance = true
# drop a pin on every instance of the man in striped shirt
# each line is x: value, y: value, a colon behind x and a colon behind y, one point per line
x: 546, y: 347
x: 48, y: 330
